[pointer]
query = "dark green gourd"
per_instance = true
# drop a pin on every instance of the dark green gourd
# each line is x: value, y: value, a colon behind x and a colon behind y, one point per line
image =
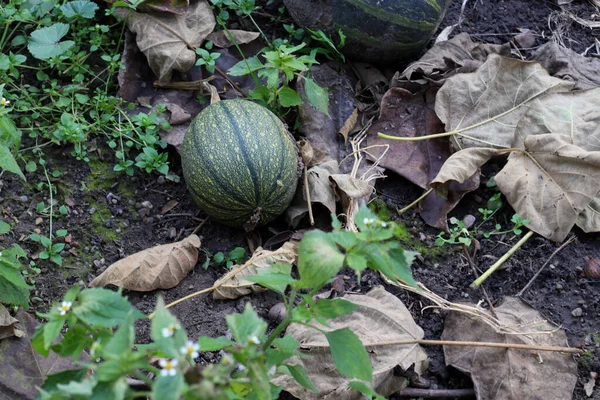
x: 240, y: 163
x: 376, y: 30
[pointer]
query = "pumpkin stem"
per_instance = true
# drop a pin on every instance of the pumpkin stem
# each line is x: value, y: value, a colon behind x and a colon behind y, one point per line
x: 253, y: 220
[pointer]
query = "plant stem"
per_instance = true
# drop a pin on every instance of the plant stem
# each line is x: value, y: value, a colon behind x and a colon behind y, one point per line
x: 411, y: 205
x: 502, y: 260
x: 275, y: 334
x: 435, y: 393
x: 416, y: 138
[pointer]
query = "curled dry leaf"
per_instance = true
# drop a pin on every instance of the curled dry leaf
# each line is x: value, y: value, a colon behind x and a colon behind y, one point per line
x: 549, y: 183
x: 160, y: 267
x: 23, y: 370
x: 566, y: 64
x: 223, y: 40
x: 511, y: 374
x: 380, y: 318
x: 483, y: 107
x: 8, y: 326
x: 349, y: 125
x: 169, y: 40
x: 233, y: 285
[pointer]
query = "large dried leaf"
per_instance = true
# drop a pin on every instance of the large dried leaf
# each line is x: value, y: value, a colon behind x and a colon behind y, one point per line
x: 159, y: 267
x: 169, y: 40
x: 233, y: 285
x: 8, y: 326
x: 485, y: 106
x: 223, y: 40
x: 22, y: 369
x: 410, y: 115
x: 550, y: 182
x: 566, y: 64
x: 511, y: 374
x: 380, y: 318
x: 457, y: 55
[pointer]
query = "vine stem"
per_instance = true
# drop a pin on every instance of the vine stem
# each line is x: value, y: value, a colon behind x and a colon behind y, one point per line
x: 501, y: 261
x: 411, y: 205
x: 460, y: 343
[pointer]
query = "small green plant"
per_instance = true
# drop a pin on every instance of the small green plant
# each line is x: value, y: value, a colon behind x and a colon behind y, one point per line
x: 207, y: 59
x: 250, y: 357
x: 459, y: 234
x: 234, y: 257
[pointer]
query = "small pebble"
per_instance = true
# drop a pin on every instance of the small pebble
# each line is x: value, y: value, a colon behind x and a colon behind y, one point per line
x: 559, y: 286
x: 147, y: 204
x: 91, y: 211
x: 578, y: 312
x: 469, y: 221
x: 24, y: 198
x: 39, y: 220
x: 160, y: 180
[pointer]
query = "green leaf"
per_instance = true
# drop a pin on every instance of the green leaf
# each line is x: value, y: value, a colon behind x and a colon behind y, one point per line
x: 13, y: 288
x: 333, y: 308
x: 219, y: 257
x: 114, y: 390
x: 349, y: 354
x: 282, y: 349
x: 61, y: 233
x: 245, y: 67
x: 319, y: 259
x: 10, y: 136
x: 51, y: 330
x: 366, y: 390
x: 103, y: 307
x: 122, y: 341
x: 275, y: 277
x: 166, y: 331
x: 356, y: 261
x: 214, y: 344
x: 75, y: 389
x: 4, y: 228
x: 45, y: 43
x: 168, y: 387
x: 391, y: 260
x: 8, y: 162
x: 246, y: 326
x: 31, y: 166
x: 259, y: 379
x: 63, y: 377
x: 317, y: 96
x: 299, y: 374
x: 289, y: 97
x: 83, y: 8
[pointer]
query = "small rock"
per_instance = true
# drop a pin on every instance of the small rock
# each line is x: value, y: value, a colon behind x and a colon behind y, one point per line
x: 138, y: 205
x: 277, y: 313
x: 191, y: 287
x: 39, y: 220
x: 91, y: 211
x: 109, y: 223
x: 559, y: 286
x: 422, y: 237
x: 552, y: 266
x: 172, y: 232
x: 581, y: 302
x: 68, y: 238
x: 469, y: 221
x: 143, y: 212
x: 160, y: 180
x: 24, y: 198
x: 149, y: 220
x: 147, y: 204
x: 578, y: 312
x: 464, y: 294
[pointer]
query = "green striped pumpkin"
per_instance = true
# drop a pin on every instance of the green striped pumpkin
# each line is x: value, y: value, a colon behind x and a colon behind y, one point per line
x: 376, y: 30
x: 240, y: 163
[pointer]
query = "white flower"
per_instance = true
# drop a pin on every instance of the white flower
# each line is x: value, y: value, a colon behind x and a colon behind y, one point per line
x: 64, y: 307
x: 383, y: 225
x: 372, y: 221
x: 4, y: 102
x: 366, y: 221
x: 190, y: 349
x: 169, y: 367
x: 0, y: 254
x: 254, y: 340
x: 170, y: 330
x: 94, y: 347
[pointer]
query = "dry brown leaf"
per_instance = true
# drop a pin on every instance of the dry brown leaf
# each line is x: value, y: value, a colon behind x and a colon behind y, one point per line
x: 350, y: 187
x: 222, y: 39
x: 8, y: 326
x: 380, y: 318
x: 511, y: 374
x: 589, y: 387
x: 550, y: 183
x: 485, y: 106
x: 232, y: 286
x: 171, y: 204
x: 23, y: 370
x: 169, y: 40
x: 349, y: 125
x: 159, y: 267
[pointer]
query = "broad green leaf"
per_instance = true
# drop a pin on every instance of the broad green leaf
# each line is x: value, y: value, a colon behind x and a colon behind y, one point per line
x: 63, y: 377
x: 485, y: 106
x: 317, y: 96
x: 76, y: 389
x: 319, y: 259
x: 357, y: 262
x: 245, y: 67
x: 276, y: 277
x: 104, y: 308
x: 13, y: 288
x: 45, y: 43
x: 259, y: 379
x: 366, y: 390
x: 333, y: 308
x: 4, y: 228
x: 213, y: 344
x: 114, y: 390
x: 83, y: 8
x: 349, y: 354
x: 8, y: 162
x: 300, y: 375
x: 166, y: 330
x: 10, y: 136
x: 289, y: 97
x: 122, y: 341
x: 168, y: 387
x: 281, y: 349
x: 51, y: 330
x: 391, y: 260
x: 247, y: 326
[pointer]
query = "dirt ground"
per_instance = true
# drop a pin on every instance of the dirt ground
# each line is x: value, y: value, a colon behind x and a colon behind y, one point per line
x: 112, y: 216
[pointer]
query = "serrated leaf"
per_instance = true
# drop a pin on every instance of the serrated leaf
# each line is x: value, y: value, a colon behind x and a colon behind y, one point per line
x: 45, y: 43
x: 213, y: 344
x: 4, y: 228
x: 333, y: 308
x: 299, y: 374
x: 165, y: 322
x: 245, y: 67
x: 319, y: 259
x: 168, y: 387
x: 83, y: 8
x: 246, y: 326
x: 13, y: 288
x: 10, y: 136
x: 276, y: 277
x: 8, y: 162
x: 103, y: 307
x: 288, y: 97
x: 317, y: 96
x: 159, y: 267
x: 234, y: 284
x: 349, y: 354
